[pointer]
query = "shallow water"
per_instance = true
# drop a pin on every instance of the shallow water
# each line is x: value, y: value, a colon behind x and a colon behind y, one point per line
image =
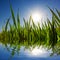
x: 26, y: 54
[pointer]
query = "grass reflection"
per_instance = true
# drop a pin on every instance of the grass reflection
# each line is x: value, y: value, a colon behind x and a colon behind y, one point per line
x: 30, y: 35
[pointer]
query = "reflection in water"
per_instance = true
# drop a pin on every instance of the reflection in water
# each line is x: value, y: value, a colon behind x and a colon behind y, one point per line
x: 9, y: 52
x: 18, y: 40
x: 32, y: 52
x: 40, y: 52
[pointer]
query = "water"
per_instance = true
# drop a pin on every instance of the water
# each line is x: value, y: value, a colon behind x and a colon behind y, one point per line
x: 7, y: 53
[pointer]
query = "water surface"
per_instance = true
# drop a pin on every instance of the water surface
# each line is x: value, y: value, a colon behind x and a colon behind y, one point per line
x: 7, y: 53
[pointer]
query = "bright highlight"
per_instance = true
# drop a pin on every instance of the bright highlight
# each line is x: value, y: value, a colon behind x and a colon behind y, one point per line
x: 36, y: 16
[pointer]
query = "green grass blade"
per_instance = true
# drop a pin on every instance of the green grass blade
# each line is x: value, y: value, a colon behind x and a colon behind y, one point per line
x: 18, y: 20
x: 13, y: 17
x: 55, y: 15
x: 7, y: 24
x: 58, y: 12
x: 49, y: 23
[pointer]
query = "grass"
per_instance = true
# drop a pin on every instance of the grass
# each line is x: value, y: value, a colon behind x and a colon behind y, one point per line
x: 31, y: 35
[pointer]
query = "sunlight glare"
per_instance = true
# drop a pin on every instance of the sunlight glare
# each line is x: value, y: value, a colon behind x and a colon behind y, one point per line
x: 36, y: 16
x: 38, y: 51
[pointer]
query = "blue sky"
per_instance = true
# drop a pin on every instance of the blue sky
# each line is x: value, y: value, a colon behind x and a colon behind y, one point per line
x: 25, y: 7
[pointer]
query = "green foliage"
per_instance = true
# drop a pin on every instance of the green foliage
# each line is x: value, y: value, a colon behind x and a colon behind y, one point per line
x: 31, y: 35
x: 13, y: 17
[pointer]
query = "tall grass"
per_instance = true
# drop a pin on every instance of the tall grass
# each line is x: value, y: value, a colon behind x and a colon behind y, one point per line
x: 31, y: 35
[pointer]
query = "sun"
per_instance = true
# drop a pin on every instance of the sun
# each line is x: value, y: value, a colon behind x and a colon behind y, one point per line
x: 36, y: 16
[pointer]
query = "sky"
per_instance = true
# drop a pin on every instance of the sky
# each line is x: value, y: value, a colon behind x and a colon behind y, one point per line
x: 26, y: 7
